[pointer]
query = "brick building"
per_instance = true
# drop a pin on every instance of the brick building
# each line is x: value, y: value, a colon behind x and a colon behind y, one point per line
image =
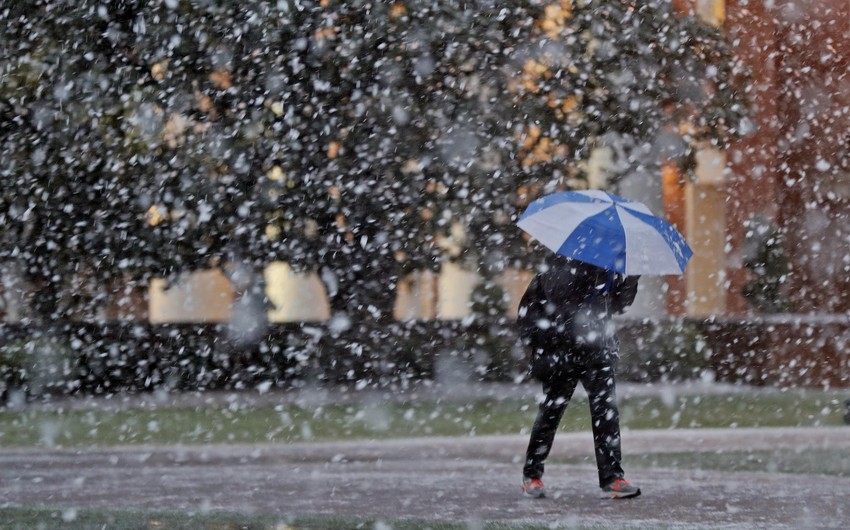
x: 793, y: 170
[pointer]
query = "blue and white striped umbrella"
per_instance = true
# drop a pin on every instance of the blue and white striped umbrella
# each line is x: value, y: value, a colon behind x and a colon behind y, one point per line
x: 602, y: 229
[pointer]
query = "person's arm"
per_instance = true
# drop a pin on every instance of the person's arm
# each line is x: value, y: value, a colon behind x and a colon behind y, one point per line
x: 624, y: 293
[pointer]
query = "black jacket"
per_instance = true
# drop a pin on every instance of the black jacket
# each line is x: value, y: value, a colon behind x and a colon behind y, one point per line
x: 566, y: 311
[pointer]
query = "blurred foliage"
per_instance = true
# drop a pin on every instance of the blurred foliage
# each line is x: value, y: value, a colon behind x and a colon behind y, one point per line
x: 117, y: 357
x: 36, y: 367
x: 767, y: 262
x: 489, y: 299
x: 665, y: 350
x: 361, y: 139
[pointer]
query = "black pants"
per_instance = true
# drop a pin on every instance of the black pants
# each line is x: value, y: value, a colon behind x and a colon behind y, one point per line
x: 598, y: 381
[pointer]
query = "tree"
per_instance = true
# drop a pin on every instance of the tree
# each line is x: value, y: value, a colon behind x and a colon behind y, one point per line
x: 73, y: 147
x: 331, y: 134
x: 351, y: 138
x: 767, y: 262
x: 597, y: 73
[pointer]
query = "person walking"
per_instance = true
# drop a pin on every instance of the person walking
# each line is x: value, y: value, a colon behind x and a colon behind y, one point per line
x: 565, y: 322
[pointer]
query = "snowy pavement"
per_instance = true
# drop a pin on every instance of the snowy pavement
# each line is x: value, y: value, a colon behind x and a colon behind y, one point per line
x: 440, y: 479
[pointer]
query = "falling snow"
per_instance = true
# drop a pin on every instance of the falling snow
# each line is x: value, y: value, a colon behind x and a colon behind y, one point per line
x: 384, y: 151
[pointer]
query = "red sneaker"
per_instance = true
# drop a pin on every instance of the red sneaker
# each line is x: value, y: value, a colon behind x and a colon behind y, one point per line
x: 533, y: 487
x: 620, y: 489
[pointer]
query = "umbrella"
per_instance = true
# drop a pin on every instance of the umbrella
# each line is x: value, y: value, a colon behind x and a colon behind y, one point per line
x: 608, y: 231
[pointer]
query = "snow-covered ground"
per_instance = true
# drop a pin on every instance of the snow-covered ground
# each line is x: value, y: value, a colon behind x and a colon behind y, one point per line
x: 440, y: 479
x: 472, y: 478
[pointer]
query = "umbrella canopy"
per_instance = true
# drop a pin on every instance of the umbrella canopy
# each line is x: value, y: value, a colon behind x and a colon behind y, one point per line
x: 608, y: 231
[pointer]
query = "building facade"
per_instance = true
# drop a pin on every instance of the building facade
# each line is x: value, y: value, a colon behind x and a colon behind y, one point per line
x: 789, y: 176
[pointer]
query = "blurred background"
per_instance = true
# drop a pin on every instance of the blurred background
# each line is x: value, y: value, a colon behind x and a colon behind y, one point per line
x: 232, y: 194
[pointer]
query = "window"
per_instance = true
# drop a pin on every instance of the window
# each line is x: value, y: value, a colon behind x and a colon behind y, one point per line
x: 713, y: 11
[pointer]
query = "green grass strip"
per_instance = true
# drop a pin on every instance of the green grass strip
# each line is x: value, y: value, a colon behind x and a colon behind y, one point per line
x: 15, y: 518
x: 287, y: 423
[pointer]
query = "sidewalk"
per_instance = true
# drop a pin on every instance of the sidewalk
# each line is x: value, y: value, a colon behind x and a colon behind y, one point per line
x: 469, y: 478
x: 440, y: 479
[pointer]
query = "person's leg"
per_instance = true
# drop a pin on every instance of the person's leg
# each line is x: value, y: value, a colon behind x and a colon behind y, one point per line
x: 558, y: 391
x: 599, y: 382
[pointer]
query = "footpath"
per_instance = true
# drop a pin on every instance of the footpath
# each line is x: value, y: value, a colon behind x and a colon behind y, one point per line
x: 474, y: 478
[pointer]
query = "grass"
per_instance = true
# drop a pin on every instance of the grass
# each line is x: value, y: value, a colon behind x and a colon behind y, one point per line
x: 829, y: 462
x: 48, y: 518
x: 770, y: 408
x: 291, y: 423
x: 71, y: 519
